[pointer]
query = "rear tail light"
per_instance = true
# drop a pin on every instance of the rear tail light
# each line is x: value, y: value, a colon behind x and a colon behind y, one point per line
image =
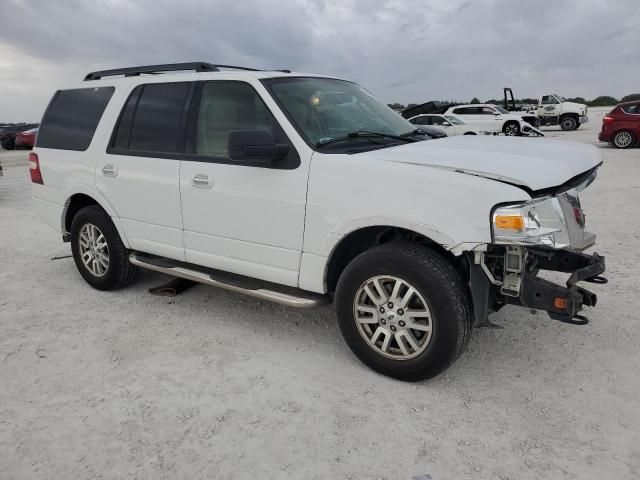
x: 607, y: 119
x: 34, y: 169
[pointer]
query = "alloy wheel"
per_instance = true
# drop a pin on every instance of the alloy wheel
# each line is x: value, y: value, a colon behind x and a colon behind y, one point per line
x: 94, y: 250
x: 393, y: 317
x: 511, y: 130
x: 623, y: 139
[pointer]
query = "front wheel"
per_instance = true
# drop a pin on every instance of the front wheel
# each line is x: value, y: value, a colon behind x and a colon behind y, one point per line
x: 511, y: 129
x: 403, y: 310
x: 98, y: 251
x: 568, y: 123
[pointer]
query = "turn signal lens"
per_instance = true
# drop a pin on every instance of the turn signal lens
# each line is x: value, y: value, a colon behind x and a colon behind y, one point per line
x: 509, y: 222
x: 560, y: 303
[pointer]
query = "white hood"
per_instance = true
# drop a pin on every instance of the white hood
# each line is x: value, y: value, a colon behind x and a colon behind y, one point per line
x: 535, y: 164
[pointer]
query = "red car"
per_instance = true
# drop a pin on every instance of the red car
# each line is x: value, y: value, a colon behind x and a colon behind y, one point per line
x: 26, y: 139
x: 621, y: 126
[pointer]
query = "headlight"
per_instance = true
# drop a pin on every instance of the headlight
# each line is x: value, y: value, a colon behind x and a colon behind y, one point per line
x: 538, y: 222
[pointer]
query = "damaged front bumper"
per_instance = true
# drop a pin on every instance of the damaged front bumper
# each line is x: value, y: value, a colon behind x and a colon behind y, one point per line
x: 561, y: 302
x: 510, y: 276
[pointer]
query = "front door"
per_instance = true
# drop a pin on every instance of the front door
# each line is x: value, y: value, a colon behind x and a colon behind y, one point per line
x: 549, y: 106
x: 237, y: 217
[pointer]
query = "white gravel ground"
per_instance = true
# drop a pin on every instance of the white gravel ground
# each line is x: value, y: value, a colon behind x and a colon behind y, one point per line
x: 216, y: 385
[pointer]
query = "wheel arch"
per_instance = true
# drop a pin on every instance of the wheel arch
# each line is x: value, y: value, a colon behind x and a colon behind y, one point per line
x: 362, y: 239
x: 80, y: 198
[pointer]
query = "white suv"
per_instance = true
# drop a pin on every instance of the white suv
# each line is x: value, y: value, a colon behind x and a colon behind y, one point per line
x: 305, y: 190
x: 487, y: 116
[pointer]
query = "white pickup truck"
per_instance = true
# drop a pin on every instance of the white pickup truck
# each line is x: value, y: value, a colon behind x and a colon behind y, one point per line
x: 305, y: 190
x: 555, y: 110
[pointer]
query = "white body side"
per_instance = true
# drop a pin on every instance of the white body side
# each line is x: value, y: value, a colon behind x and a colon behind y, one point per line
x: 283, y: 225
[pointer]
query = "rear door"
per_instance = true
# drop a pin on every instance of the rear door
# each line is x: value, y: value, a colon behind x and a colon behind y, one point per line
x: 139, y: 173
x: 237, y: 217
x: 472, y: 115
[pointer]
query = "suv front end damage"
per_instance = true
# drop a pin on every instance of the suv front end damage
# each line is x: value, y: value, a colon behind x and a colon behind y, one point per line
x: 544, y: 234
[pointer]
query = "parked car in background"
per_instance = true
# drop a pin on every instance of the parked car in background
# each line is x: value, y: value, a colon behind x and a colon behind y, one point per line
x: 451, y: 124
x: 621, y: 126
x: 491, y: 117
x: 26, y: 139
x: 9, y: 131
x: 433, y: 132
x: 553, y: 109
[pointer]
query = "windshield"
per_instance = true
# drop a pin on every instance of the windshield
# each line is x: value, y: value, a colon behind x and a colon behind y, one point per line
x: 323, y: 109
x: 454, y: 120
x: 500, y: 109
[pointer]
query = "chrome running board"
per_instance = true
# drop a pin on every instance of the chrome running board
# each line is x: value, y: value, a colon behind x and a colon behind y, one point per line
x: 236, y: 283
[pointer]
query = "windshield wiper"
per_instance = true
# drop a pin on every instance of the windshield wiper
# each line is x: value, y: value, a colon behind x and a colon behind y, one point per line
x: 363, y: 134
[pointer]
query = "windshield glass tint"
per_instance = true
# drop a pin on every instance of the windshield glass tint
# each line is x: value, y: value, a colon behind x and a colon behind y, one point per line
x: 323, y: 109
x: 501, y: 110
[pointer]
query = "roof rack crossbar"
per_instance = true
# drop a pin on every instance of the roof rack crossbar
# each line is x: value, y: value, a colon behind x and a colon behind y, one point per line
x: 170, y: 67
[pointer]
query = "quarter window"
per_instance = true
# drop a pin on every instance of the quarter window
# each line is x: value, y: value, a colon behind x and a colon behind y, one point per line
x: 72, y: 118
x: 632, y: 109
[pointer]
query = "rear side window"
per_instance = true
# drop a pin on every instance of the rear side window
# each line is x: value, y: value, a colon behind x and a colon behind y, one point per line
x: 468, y: 111
x: 153, y: 119
x: 72, y: 117
x: 632, y: 109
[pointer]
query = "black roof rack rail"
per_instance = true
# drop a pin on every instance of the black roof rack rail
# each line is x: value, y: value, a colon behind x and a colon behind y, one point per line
x: 170, y: 67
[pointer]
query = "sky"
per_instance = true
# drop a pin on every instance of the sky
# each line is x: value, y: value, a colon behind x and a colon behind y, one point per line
x: 402, y: 50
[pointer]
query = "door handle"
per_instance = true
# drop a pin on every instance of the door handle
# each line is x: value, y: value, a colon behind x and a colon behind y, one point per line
x: 201, y: 180
x: 109, y: 170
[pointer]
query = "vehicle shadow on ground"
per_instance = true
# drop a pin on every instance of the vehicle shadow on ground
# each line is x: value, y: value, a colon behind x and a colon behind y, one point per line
x: 524, y: 339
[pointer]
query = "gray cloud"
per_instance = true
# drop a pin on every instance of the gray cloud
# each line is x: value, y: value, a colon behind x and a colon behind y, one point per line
x: 403, y: 50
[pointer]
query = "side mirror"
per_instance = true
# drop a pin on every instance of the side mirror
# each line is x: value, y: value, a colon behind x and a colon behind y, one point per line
x: 446, y: 124
x: 255, y: 147
x: 496, y: 113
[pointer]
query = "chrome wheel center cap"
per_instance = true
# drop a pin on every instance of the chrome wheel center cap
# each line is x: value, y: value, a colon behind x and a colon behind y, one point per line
x: 391, y: 317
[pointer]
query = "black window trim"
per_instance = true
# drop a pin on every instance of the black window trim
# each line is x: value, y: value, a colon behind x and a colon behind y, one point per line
x: 50, y: 105
x: 188, y: 126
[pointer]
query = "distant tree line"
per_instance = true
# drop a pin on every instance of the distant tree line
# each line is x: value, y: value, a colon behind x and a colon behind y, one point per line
x: 601, y: 101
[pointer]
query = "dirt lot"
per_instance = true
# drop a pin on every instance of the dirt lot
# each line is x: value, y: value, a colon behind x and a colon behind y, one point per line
x: 216, y: 385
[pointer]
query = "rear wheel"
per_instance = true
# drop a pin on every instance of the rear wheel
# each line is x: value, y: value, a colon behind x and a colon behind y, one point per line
x: 511, y: 129
x: 568, y: 123
x: 98, y: 251
x: 623, y: 139
x: 403, y: 311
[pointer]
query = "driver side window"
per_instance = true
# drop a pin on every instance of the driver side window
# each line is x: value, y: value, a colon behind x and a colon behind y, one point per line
x: 224, y: 107
x: 549, y: 100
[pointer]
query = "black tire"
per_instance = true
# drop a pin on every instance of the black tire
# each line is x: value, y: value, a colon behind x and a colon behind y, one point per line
x: 511, y: 129
x: 470, y: 133
x: 623, y: 139
x: 568, y: 123
x: 441, y: 285
x: 120, y: 272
